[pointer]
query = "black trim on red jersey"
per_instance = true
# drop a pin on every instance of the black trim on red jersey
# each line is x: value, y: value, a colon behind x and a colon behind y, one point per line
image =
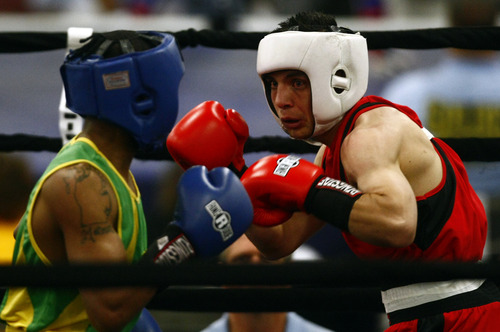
x: 348, y: 126
x: 434, y: 211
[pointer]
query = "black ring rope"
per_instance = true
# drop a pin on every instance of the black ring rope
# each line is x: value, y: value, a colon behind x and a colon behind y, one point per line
x: 290, y: 286
x: 329, y: 273
x: 301, y: 299
x: 469, y: 149
x: 485, y: 38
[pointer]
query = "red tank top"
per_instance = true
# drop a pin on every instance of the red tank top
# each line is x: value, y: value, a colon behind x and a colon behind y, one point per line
x: 451, y: 219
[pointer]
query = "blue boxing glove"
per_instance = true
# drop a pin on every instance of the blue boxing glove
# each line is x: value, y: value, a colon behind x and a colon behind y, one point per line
x: 213, y: 210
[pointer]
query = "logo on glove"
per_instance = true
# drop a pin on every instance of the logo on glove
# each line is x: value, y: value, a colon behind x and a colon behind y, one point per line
x: 338, y: 185
x: 285, y: 164
x: 173, y: 251
x: 221, y: 220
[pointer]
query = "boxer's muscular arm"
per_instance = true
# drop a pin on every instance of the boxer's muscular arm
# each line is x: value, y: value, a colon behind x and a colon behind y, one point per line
x: 84, y: 205
x: 386, y: 214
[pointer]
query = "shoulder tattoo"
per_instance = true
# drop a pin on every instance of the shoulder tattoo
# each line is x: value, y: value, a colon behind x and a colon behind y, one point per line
x: 92, y: 199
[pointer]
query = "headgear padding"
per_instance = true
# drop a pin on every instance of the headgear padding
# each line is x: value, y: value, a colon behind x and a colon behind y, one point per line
x: 137, y: 91
x: 336, y: 64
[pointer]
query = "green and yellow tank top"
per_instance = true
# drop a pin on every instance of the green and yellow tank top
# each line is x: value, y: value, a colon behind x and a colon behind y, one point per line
x: 39, y: 309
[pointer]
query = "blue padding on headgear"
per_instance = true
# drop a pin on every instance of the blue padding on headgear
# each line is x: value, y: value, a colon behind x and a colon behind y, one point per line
x: 137, y: 91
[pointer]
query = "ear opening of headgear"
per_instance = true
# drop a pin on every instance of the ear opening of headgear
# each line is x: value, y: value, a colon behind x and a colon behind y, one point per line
x: 116, y: 78
x: 336, y: 64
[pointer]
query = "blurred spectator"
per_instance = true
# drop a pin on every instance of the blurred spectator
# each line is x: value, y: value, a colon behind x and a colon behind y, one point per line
x: 223, y: 15
x: 244, y: 252
x: 459, y: 97
x: 13, y: 6
x: 372, y: 8
x: 70, y: 5
x: 338, y: 7
x: 16, y: 181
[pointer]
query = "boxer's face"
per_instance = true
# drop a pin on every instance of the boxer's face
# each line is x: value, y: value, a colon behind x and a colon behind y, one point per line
x: 290, y: 92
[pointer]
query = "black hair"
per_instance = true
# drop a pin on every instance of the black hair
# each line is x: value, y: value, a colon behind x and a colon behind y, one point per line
x: 472, y: 12
x: 311, y: 21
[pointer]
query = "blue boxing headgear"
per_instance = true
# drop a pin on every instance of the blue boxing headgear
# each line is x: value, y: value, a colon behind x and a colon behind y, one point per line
x: 137, y: 91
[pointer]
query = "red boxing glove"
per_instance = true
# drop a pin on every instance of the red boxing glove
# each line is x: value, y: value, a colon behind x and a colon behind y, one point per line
x: 211, y: 136
x: 280, y: 185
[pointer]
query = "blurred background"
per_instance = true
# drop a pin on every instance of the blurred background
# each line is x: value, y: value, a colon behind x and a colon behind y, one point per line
x: 30, y: 86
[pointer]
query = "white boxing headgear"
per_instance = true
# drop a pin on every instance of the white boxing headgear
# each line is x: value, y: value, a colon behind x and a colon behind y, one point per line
x: 336, y: 64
